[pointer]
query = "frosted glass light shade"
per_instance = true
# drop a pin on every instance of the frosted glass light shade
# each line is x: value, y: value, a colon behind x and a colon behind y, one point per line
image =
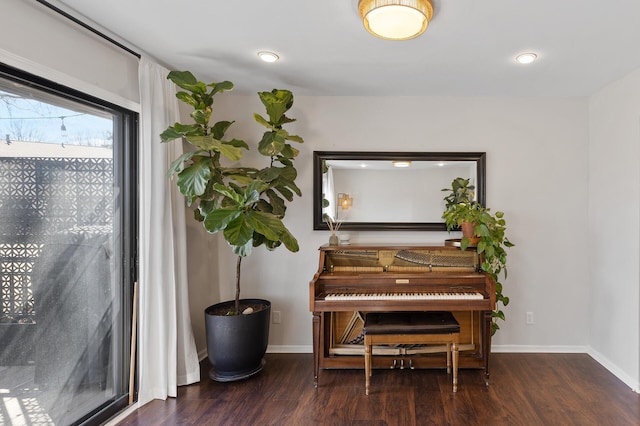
x: 395, y: 19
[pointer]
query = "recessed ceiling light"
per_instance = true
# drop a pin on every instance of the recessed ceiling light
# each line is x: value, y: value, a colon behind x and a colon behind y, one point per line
x: 526, y: 58
x: 401, y: 163
x: 268, y: 56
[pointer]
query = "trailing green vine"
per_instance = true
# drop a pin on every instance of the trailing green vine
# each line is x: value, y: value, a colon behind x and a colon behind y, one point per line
x: 489, y: 228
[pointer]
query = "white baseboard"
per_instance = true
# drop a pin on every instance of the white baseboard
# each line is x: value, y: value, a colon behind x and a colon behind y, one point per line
x: 553, y: 349
x: 290, y: 349
x: 307, y: 349
x: 202, y: 355
x: 634, y: 384
x: 122, y: 415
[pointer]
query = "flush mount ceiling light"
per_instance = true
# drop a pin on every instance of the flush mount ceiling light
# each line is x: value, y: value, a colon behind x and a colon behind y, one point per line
x: 268, y: 56
x: 526, y: 58
x: 395, y: 19
x: 401, y: 163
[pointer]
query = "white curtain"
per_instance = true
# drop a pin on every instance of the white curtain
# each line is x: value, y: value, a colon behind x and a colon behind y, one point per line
x: 167, y: 352
x: 329, y: 194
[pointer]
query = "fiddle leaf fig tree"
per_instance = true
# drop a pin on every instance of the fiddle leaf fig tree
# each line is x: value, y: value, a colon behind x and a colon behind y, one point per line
x: 246, y: 204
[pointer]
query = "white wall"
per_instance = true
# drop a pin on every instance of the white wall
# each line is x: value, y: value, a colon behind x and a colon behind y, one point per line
x: 614, y: 227
x: 536, y: 173
x: 41, y: 42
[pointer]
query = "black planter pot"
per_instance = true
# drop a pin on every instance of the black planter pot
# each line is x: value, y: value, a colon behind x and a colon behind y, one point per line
x: 236, y: 344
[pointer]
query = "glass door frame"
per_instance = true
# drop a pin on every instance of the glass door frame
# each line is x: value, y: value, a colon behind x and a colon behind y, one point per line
x: 125, y: 160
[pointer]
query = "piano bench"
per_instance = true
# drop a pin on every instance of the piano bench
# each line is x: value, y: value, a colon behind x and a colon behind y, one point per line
x: 411, y: 328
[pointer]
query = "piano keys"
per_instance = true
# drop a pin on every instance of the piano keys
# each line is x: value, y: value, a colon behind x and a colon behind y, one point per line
x: 346, y: 295
x: 352, y: 280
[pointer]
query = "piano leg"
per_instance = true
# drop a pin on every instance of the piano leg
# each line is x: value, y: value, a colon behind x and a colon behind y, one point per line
x: 486, y: 343
x: 316, y: 348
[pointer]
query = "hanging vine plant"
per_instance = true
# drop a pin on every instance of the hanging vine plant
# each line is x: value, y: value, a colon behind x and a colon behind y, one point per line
x: 489, y: 230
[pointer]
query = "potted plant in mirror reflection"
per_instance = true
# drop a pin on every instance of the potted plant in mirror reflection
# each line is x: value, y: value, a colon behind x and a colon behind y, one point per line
x: 332, y: 224
x: 487, y: 234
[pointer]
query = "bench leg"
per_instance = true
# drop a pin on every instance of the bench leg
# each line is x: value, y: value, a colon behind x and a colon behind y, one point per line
x: 455, y: 366
x: 448, y: 358
x: 367, y: 366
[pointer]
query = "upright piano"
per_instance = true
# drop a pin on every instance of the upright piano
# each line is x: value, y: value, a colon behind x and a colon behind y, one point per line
x: 355, y: 279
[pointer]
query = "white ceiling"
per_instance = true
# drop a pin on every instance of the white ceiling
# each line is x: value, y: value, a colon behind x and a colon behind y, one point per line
x: 468, y: 49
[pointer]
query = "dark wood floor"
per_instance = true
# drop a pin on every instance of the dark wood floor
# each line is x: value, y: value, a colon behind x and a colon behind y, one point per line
x: 526, y: 389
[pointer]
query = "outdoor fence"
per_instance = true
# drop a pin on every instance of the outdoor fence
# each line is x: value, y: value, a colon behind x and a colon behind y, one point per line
x: 39, y: 198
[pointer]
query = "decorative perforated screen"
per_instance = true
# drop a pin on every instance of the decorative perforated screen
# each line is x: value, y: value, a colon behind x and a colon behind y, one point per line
x: 40, y: 197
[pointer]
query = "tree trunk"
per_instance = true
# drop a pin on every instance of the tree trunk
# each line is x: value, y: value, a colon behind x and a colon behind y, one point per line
x: 238, y: 285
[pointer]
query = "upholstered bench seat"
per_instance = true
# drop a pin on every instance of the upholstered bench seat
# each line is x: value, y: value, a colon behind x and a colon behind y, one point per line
x: 385, y: 328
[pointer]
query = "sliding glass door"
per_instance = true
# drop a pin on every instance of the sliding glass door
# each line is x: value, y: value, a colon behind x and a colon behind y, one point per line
x: 67, y: 252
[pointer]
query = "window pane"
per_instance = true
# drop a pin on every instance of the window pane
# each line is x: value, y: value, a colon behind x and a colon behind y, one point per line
x: 61, y: 257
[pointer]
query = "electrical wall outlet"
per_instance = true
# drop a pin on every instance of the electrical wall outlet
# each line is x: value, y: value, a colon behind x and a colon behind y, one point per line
x: 529, y: 319
x: 275, y: 317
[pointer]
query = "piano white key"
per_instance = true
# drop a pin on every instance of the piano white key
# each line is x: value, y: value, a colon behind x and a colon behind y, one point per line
x: 406, y: 296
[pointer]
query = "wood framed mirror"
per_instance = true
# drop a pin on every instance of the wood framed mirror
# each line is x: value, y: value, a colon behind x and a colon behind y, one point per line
x: 377, y: 191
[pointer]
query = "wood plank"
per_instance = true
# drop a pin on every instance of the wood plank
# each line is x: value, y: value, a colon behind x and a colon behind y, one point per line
x: 531, y: 389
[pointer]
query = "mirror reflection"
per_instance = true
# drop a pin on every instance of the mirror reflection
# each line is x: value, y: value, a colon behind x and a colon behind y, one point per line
x: 384, y: 190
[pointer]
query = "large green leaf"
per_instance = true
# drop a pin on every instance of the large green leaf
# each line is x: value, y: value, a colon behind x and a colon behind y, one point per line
x: 263, y: 206
x: 288, y: 152
x: 288, y: 173
x: 180, y: 130
x: 238, y: 231
x: 202, y: 116
x: 220, y: 87
x: 169, y: 134
x: 257, y: 185
x: 266, y: 224
x: 244, y: 250
x: 260, y: 119
x: 271, y: 144
x: 187, y: 81
x: 206, y: 142
x: 238, y: 143
x: 187, y: 98
x: 231, y: 152
x: 207, y: 206
x: 286, y: 193
x: 269, y: 174
x: 284, y: 186
x: 229, y: 193
x: 192, y: 180
x: 219, y: 219
x: 277, y: 203
x: 251, y: 197
x: 277, y: 102
x: 289, y: 241
x: 220, y: 128
x: 209, y: 143
x: 243, y: 179
x: 188, y: 129
x: 178, y: 164
x: 295, y: 138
